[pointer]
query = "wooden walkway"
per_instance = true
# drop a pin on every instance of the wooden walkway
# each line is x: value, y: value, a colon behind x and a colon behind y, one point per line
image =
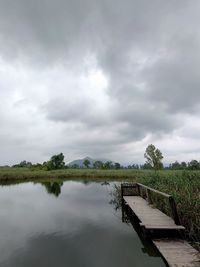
x: 176, y: 252
x: 150, y: 218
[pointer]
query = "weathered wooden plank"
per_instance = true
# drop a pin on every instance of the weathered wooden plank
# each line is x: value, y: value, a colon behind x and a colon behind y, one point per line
x: 178, y: 253
x: 150, y: 217
x: 171, y: 200
x: 154, y: 190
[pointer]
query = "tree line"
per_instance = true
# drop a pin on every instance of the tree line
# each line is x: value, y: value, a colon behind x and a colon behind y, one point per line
x: 152, y: 155
x: 57, y: 162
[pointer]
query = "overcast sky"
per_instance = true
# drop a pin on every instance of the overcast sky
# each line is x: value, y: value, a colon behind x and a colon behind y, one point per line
x: 99, y: 78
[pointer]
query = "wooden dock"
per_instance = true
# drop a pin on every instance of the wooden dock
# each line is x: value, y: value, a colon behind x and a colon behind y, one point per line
x: 150, y: 218
x: 178, y: 253
x: 173, y: 248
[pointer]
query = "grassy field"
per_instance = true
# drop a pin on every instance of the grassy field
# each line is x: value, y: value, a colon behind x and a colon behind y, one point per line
x: 184, y: 186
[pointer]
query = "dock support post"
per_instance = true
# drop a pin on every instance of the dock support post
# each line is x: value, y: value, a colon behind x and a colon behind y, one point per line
x: 138, y: 189
x: 148, y: 193
x: 174, y: 210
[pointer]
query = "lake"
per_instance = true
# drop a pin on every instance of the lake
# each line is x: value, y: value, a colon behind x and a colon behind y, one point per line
x: 71, y: 224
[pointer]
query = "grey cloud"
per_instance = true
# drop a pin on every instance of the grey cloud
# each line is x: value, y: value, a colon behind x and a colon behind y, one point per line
x: 56, y: 29
x: 149, y: 53
x: 174, y: 79
x: 68, y: 110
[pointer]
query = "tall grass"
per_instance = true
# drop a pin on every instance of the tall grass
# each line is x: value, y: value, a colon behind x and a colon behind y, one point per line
x: 8, y: 173
x: 185, y: 188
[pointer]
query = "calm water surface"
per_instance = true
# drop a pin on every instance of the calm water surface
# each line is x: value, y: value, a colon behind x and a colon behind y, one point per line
x: 72, y: 224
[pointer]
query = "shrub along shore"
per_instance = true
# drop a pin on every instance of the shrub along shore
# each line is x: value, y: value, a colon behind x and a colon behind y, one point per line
x: 184, y: 186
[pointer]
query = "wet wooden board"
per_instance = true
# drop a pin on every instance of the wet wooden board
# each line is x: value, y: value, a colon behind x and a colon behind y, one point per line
x: 150, y: 217
x: 178, y: 253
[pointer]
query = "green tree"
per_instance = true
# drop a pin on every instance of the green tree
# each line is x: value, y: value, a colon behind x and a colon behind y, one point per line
x: 56, y: 162
x: 86, y: 163
x: 117, y: 166
x: 134, y: 166
x: 193, y: 165
x: 146, y: 166
x: 108, y: 165
x: 23, y: 164
x: 154, y: 157
x: 74, y: 166
x: 175, y: 166
x: 98, y: 164
x: 183, y: 165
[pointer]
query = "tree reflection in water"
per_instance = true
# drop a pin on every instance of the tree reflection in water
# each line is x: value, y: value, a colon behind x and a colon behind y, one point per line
x: 116, y: 197
x: 53, y: 187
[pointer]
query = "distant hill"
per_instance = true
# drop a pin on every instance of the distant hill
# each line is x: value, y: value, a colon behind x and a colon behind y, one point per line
x: 79, y: 162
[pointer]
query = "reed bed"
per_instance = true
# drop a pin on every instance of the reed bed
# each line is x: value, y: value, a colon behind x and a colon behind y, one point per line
x: 185, y: 188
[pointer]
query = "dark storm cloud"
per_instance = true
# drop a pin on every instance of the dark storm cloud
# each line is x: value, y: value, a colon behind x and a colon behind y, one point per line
x: 147, y: 51
x: 174, y: 79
